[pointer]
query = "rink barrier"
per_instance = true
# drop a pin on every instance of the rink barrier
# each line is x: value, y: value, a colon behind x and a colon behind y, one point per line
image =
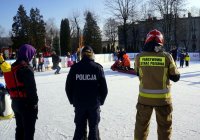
x: 100, y: 58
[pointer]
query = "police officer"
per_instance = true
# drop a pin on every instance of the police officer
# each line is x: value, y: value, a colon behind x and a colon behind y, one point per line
x: 86, y: 89
x: 155, y: 69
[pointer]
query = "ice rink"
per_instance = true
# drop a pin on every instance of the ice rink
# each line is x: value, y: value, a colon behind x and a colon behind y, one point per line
x: 56, y: 115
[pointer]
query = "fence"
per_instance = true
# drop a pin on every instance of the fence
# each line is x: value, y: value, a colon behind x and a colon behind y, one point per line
x: 104, y: 58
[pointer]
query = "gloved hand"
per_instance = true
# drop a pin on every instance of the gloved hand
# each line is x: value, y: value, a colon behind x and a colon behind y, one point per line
x: 1, y: 59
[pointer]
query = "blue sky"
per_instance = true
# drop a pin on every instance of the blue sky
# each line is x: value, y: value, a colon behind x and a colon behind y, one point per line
x: 57, y: 9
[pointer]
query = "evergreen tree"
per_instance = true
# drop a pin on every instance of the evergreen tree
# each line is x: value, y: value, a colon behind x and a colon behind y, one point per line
x: 65, y: 38
x: 20, y: 28
x: 56, y: 46
x: 92, y: 33
x: 27, y: 29
x: 37, y: 29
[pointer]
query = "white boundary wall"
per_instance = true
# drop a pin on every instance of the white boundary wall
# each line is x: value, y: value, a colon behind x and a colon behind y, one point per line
x: 103, y: 58
x: 194, y: 56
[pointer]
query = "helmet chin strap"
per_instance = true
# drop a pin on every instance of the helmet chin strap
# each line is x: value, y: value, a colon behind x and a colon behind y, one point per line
x: 158, y: 48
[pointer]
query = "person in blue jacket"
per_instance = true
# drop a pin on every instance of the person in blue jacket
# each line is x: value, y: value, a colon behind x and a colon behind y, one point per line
x: 86, y: 89
x: 182, y: 59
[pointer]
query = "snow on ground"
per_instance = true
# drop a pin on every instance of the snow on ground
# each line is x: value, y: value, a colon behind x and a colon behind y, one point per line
x: 56, y: 115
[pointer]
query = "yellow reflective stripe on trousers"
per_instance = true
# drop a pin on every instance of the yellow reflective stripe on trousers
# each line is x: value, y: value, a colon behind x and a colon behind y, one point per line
x: 165, y: 78
x: 158, y: 96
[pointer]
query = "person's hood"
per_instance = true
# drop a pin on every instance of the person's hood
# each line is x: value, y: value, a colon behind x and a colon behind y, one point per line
x: 26, y: 52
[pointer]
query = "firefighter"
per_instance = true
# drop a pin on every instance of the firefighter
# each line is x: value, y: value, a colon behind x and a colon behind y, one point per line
x: 155, y: 69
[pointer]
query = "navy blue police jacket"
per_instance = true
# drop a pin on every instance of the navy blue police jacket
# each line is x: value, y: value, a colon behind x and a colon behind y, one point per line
x: 86, y: 84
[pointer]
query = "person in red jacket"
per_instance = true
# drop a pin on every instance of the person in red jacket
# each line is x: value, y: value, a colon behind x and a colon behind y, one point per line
x: 126, y: 63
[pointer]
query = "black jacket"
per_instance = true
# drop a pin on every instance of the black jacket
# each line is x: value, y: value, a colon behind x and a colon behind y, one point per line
x: 86, y: 84
x: 26, y: 76
x: 55, y: 60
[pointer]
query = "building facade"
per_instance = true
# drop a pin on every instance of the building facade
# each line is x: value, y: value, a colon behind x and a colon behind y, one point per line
x: 183, y: 33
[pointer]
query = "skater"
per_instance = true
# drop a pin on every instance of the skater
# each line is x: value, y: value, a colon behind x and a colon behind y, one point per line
x: 40, y: 62
x: 173, y: 52
x: 46, y: 63
x: 69, y: 60
x: 155, y: 69
x: 121, y: 53
x: 74, y: 57
x: 86, y: 90
x: 182, y: 59
x: 187, y: 59
x: 34, y: 62
x: 21, y: 85
x: 126, y: 63
x: 56, y: 60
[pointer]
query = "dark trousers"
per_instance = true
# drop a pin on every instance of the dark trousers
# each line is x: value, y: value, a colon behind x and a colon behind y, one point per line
x: 186, y: 63
x: 40, y: 67
x: 25, y: 121
x: 57, y: 69
x: 181, y: 63
x: 34, y: 66
x: 82, y: 116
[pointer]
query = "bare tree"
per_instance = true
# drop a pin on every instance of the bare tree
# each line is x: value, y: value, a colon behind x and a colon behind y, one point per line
x: 1, y: 31
x: 111, y: 31
x: 51, y: 31
x: 123, y: 10
x: 169, y: 10
x: 146, y: 11
x: 195, y: 11
x: 75, y: 31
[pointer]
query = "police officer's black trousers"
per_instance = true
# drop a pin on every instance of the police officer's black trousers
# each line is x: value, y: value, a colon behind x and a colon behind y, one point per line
x: 82, y: 115
x: 25, y: 121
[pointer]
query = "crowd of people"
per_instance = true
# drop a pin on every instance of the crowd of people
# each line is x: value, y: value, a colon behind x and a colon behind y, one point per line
x: 21, y: 85
x: 182, y: 56
x: 152, y: 65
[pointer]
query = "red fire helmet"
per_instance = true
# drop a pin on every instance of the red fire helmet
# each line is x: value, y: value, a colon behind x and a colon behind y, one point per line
x: 155, y: 36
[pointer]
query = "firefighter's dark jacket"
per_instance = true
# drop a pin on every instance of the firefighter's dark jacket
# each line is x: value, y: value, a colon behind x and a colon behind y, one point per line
x: 26, y: 75
x: 86, y: 84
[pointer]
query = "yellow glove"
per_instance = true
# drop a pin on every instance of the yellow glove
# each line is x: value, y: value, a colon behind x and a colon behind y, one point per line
x: 1, y: 59
x: 5, y: 67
